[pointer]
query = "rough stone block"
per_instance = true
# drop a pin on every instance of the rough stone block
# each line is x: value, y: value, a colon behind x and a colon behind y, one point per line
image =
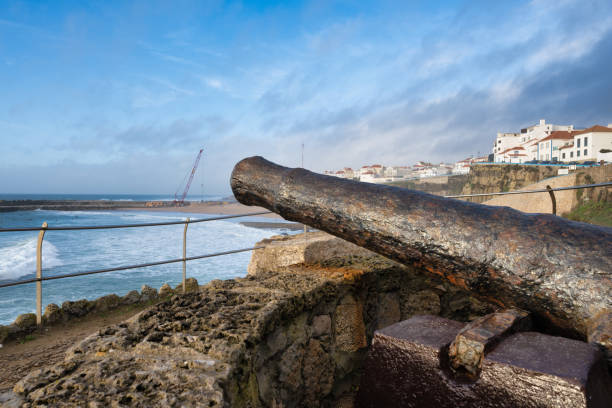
x: 4, y: 333
x: 107, y: 302
x: 349, y: 328
x: 77, y: 308
x: 191, y: 285
x: 425, y: 302
x: 53, y: 314
x: 26, y: 321
x: 407, y: 366
x: 311, y: 248
x: 148, y: 294
x: 131, y: 297
x: 165, y: 291
x: 388, y: 311
x: 321, y: 325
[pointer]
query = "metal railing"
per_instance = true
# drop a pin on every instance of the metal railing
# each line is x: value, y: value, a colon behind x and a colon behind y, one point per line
x: 45, y: 227
x: 548, y: 189
x: 42, y: 229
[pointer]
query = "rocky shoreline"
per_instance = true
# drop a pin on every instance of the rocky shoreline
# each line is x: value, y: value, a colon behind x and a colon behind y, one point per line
x: 54, y: 314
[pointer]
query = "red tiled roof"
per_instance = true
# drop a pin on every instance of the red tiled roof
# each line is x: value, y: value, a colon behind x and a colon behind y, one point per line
x: 512, y: 148
x: 594, y: 129
x: 559, y: 134
x: 376, y: 165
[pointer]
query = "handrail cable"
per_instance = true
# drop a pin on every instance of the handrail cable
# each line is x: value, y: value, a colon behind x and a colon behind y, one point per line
x: 608, y: 183
x: 122, y: 268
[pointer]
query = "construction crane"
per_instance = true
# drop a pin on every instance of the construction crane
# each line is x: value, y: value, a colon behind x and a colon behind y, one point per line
x: 180, y: 200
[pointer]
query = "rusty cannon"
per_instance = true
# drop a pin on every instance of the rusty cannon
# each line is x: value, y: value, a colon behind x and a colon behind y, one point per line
x: 558, y: 270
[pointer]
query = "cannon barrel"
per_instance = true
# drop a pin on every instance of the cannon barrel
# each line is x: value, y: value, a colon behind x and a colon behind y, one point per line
x: 559, y: 270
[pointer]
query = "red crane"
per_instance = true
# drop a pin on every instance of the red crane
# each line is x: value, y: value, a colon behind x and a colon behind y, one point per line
x: 180, y: 201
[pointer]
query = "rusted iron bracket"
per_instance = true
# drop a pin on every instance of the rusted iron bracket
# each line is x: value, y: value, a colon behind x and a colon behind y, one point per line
x: 552, y: 198
x: 469, y: 347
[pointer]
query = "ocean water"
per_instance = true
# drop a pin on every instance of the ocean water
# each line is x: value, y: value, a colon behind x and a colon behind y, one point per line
x: 77, y: 251
x: 112, y: 197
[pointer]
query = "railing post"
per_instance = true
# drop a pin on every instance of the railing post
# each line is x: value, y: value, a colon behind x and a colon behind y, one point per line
x: 185, y: 255
x: 41, y: 235
x: 552, y: 198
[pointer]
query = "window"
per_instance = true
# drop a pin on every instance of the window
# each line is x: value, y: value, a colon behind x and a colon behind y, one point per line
x: 585, y: 152
x: 571, y: 154
x: 563, y: 155
x: 586, y: 141
x: 578, y: 142
x: 577, y: 153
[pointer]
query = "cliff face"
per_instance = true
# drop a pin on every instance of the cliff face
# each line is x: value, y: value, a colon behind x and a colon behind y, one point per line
x: 494, y: 178
x: 594, y: 175
x: 503, y: 177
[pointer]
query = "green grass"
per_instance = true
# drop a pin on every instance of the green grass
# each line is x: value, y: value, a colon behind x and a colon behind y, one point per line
x: 593, y: 213
x: 26, y: 338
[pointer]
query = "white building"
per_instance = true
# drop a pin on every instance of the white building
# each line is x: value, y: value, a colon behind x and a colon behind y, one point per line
x: 592, y: 144
x: 397, y: 171
x: 516, y: 154
x: 528, y: 139
x: 462, y: 167
x: 549, y: 148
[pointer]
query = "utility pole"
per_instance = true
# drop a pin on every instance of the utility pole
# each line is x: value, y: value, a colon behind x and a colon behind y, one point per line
x: 305, y: 227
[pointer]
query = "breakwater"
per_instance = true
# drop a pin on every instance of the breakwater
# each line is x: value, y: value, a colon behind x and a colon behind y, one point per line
x: 74, y: 205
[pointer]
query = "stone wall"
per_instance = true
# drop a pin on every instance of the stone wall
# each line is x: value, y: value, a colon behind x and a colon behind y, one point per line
x: 290, y: 334
x: 508, y: 177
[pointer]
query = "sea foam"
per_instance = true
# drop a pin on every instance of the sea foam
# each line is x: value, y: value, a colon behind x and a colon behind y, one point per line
x: 20, y: 259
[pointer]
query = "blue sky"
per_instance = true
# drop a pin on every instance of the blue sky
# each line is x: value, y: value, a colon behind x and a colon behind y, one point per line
x: 117, y: 97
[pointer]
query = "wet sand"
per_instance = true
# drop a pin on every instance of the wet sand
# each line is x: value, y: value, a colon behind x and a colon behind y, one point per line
x: 210, y: 207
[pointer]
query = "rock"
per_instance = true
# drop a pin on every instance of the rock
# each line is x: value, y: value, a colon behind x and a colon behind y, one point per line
x: 291, y: 367
x: 277, y: 341
x: 53, y: 314
x: 26, y: 321
x: 425, y: 302
x: 349, y: 328
x: 148, y: 294
x: 132, y: 297
x: 165, y: 291
x: 77, y: 308
x: 388, y: 311
x: 321, y: 325
x: 4, y: 333
x: 318, y: 373
x: 191, y: 285
x: 311, y: 248
x: 107, y: 302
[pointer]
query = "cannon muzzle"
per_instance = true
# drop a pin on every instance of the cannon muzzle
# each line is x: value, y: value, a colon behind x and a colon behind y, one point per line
x: 559, y: 270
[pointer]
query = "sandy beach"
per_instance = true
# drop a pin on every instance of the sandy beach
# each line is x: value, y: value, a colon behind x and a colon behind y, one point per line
x: 211, y: 207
